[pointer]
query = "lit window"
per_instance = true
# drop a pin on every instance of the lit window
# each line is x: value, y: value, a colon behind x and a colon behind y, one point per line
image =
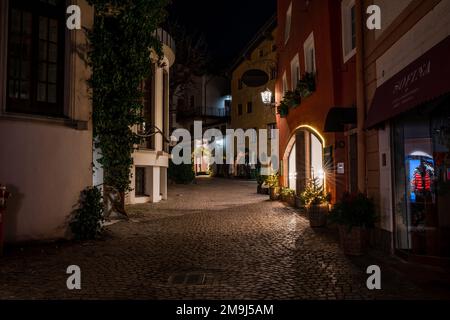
x: 348, y: 16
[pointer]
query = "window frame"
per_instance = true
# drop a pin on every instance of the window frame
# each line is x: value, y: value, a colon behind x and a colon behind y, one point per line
x: 284, y: 84
x: 138, y: 193
x: 31, y: 106
x: 346, y: 23
x: 288, y: 24
x: 307, y: 46
x: 295, y: 71
x: 249, y: 107
x: 270, y: 127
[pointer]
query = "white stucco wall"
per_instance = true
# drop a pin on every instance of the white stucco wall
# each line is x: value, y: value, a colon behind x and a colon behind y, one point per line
x: 46, y: 163
x: 45, y: 167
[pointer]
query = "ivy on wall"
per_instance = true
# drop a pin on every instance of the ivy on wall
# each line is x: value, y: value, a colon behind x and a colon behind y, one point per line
x: 123, y: 47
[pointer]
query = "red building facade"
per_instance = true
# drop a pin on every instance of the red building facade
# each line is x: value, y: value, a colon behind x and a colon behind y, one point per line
x: 318, y: 133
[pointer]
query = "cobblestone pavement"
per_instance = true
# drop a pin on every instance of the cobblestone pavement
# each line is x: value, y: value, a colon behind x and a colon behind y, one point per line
x: 216, y: 239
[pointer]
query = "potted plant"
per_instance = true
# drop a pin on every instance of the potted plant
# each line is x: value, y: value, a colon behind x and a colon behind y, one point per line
x: 316, y: 201
x: 300, y: 203
x: 292, y: 98
x: 355, y: 215
x: 283, y: 109
x: 288, y: 195
x: 274, y: 187
x: 307, y: 85
x: 261, y: 181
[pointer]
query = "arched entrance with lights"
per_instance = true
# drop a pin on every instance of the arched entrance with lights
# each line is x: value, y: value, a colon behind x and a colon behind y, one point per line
x: 303, y: 158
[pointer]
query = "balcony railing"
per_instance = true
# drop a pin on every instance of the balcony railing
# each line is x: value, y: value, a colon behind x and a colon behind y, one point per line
x: 203, y: 112
x: 165, y: 38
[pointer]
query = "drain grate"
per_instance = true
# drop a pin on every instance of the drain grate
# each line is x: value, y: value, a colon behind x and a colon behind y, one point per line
x: 190, y: 279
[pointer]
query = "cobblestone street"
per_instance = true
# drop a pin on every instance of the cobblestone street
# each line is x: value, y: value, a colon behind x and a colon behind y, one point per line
x: 216, y: 239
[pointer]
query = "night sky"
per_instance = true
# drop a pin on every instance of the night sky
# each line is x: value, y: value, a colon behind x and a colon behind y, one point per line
x: 227, y: 24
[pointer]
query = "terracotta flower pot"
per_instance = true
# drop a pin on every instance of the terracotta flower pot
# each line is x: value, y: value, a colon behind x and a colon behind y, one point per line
x: 317, y: 215
x: 274, y: 193
x: 353, y: 241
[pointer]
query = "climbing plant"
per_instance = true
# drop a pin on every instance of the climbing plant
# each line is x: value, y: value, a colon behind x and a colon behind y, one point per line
x: 123, y: 46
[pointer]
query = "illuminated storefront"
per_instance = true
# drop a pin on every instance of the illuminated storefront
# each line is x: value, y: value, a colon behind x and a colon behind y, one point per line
x: 414, y: 106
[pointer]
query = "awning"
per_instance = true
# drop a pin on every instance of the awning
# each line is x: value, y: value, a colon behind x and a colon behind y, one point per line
x: 426, y: 78
x: 338, y: 117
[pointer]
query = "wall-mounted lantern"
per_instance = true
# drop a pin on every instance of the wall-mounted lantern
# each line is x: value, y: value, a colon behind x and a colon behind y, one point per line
x: 266, y: 97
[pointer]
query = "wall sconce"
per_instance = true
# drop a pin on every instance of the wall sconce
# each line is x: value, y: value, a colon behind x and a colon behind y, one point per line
x: 266, y: 97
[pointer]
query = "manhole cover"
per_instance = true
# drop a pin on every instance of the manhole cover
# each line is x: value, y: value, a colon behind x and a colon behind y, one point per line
x: 190, y: 279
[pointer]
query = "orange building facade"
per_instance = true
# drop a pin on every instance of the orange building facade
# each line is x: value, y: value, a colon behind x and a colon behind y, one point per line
x: 318, y: 133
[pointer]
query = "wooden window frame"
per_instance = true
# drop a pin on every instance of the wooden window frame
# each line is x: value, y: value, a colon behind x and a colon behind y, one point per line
x: 31, y: 105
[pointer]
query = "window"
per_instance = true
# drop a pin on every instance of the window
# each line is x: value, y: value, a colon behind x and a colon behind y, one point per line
x: 292, y: 179
x: 239, y: 109
x: 304, y: 160
x: 270, y: 127
x: 249, y: 107
x: 35, y: 57
x: 295, y: 71
x: 348, y: 16
x: 316, y: 158
x: 147, y: 112
x: 139, y: 189
x: 310, y: 54
x: 287, y: 29
x: 227, y: 103
x: 273, y: 73
x: 285, y: 84
x: 165, y: 108
x: 240, y: 84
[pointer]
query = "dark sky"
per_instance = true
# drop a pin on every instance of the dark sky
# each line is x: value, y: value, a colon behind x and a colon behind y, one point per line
x: 227, y: 24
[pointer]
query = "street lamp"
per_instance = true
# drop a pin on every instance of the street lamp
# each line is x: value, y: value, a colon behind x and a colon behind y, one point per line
x: 266, y: 96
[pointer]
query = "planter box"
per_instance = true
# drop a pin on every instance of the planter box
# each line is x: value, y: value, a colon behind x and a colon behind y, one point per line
x: 353, y: 242
x: 317, y: 215
x: 274, y: 193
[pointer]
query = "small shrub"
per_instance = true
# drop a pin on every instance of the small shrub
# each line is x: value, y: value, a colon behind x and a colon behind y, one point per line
x: 86, y: 223
x: 181, y: 174
x: 354, y: 210
x: 273, y: 181
x: 314, y: 193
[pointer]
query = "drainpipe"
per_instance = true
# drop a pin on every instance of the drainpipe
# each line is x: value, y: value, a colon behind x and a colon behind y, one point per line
x: 360, y: 96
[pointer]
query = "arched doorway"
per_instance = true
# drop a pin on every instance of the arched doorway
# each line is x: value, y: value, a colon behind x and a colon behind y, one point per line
x: 304, y: 158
